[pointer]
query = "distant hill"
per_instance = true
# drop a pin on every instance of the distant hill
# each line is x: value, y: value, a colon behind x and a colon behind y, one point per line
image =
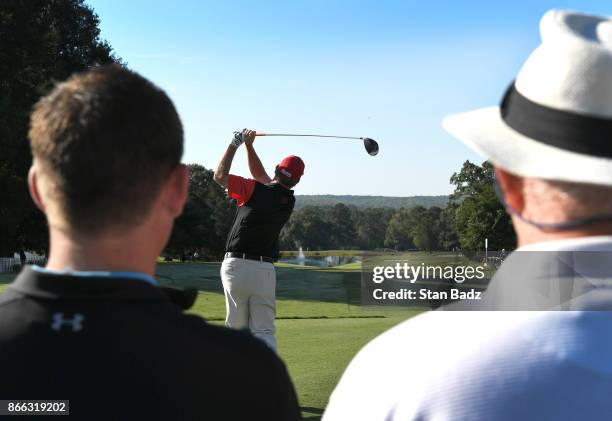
x: 370, y: 201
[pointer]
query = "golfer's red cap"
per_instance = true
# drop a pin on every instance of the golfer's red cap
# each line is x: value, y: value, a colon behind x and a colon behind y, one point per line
x: 292, y: 167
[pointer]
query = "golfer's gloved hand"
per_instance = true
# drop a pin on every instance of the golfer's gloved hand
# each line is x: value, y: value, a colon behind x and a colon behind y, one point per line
x: 237, y: 139
x: 246, y: 136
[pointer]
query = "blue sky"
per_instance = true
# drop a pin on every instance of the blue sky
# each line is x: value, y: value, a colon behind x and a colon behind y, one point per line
x: 389, y: 70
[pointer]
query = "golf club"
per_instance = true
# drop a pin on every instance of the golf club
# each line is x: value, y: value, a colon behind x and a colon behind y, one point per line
x: 370, y: 145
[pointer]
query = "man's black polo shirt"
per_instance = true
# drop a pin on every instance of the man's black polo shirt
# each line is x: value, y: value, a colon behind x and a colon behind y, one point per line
x: 124, y: 349
x: 263, y: 210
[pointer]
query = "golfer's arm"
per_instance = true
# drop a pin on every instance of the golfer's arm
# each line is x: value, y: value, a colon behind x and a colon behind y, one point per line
x: 255, y: 166
x: 224, y: 166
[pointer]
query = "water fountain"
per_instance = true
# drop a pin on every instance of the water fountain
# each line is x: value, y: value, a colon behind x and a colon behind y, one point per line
x: 320, y: 261
x: 300, y: 256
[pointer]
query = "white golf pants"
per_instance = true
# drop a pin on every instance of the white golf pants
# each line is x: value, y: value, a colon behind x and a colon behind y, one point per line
x: 250, y: 297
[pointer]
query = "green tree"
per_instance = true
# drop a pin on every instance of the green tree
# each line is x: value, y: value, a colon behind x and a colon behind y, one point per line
x: 478, y: 214
x: 292, y: 235
x: 399, y: 231
x: 206, y: 219
x: 307, y: 228
x: 371, y: 225
x: 425, y: 227
x: 343, y: 233
x: 42, y: 41
x: 447, y: 234
x: 471, y: 180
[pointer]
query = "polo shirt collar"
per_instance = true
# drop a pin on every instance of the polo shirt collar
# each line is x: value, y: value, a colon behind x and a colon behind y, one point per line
x: 99, y: 274
x: 66, y: 286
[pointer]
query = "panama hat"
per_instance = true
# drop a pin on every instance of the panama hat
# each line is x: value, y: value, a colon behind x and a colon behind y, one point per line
x: 555, y: 120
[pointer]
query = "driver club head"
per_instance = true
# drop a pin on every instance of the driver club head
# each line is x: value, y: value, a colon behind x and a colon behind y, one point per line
x: 371, y: 146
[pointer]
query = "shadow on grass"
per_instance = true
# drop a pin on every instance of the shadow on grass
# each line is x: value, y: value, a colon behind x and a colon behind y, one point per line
x: 299, y: 284
x: 317, y: 413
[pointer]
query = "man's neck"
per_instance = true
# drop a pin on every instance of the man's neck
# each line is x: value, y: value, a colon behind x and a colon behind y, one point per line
x: 528, y: 234
x: 277, y: 181
x: 99, y: 253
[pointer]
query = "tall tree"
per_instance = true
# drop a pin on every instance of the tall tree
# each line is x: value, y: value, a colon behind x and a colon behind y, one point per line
x: 42, y: 41
x: 371, y: 225
x: 448, y: 236
x: 399, y: 231
x: 307, y: 228
x: 342, y: 226
x: 478, y: 212
x: 206, y: 219
x: 425, y: 231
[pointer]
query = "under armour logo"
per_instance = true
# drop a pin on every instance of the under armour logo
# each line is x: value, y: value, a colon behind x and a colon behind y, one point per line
x: 59, y: 321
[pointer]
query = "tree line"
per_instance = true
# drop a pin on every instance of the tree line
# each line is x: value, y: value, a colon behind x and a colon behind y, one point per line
x: 472, y: 214
x: 394, y: 202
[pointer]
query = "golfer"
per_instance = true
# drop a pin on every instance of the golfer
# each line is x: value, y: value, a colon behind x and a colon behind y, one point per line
x: 550, y: 141
x: 93, y: 326
x: 264, y: 206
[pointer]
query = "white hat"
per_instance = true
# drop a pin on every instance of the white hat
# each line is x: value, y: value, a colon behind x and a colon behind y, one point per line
x: 555, y: 121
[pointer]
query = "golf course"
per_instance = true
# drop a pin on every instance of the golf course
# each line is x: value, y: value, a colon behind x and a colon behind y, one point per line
x: 320, y: 323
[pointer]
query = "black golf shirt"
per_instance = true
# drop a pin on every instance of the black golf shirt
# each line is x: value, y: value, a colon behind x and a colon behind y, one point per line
x: 263, y: 210
x: 123, y: 349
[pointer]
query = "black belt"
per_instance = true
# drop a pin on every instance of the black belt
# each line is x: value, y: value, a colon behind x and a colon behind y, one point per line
x: 249, y: 257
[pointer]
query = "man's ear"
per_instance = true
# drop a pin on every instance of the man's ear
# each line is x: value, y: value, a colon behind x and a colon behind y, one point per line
x: 33, y: 188
x: 512, y: 188
x: 177, y: 190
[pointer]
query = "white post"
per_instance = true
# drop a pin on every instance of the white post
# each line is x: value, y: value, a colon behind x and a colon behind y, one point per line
x: 486, y: 251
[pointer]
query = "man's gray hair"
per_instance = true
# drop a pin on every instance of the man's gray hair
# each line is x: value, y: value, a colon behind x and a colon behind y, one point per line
x: 554, y: 201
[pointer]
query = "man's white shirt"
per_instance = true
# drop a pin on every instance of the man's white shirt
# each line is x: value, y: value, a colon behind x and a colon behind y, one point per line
x: 484, y: 365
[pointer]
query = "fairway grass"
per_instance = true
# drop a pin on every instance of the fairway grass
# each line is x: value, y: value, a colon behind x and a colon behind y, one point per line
x: 320, y: 322
x: 316, y: 352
